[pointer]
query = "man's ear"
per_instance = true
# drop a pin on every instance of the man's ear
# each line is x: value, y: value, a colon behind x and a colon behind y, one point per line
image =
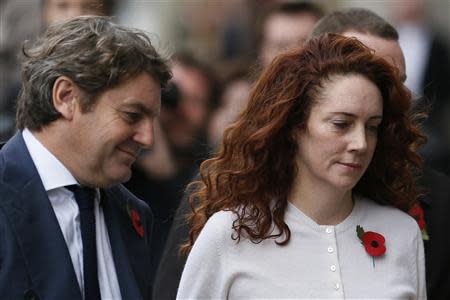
x: 65, y: 96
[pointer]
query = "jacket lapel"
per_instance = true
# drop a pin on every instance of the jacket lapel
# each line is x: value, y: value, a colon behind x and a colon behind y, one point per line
x: 39, y: 236
x: 123, y: 247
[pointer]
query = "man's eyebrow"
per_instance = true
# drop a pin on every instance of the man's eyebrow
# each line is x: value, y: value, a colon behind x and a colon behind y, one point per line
x: 142, y: 108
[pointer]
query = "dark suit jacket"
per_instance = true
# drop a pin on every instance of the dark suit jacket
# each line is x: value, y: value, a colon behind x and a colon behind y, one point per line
x: 34, y: 259
x: 436, y: 92
x: 436, y: 204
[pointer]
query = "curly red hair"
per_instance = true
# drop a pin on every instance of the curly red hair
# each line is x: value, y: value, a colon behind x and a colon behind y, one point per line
x: 253, y: 172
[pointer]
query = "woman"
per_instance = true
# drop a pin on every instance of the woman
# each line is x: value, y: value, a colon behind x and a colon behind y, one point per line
x: 305, y: 197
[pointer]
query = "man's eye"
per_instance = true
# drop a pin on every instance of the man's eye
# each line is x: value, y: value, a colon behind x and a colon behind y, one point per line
x: 132, y: 117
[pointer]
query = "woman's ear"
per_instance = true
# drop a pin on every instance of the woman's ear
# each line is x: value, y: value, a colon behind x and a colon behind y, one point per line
x: 65, y: 96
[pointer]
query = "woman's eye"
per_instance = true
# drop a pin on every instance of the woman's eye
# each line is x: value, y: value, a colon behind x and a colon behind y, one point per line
x: 373, y: 128
x: 341, y: 124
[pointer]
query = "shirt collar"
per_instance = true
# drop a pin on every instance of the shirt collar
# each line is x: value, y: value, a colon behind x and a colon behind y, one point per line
x: 52, y: 172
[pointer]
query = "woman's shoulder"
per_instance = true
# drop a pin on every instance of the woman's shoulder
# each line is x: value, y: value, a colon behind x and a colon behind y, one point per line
x: 386, y: 216
x: 219, y: 227
x: 221, y: 219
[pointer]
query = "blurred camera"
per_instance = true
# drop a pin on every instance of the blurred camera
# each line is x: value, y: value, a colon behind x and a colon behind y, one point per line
x: 170, y: 96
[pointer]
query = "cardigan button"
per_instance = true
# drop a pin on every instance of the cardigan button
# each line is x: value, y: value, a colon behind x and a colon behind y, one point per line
x: 333, y: 268
x: 330, y: 249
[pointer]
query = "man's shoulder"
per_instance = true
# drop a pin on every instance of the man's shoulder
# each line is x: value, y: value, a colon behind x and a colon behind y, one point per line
x: 434, y: 179
x: 436, y: 187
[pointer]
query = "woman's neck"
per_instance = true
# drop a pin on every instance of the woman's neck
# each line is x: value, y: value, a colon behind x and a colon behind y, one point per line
x: 325, y: 205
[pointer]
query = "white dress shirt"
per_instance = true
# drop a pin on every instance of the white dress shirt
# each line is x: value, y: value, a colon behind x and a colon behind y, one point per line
x: 55, y: 177
x: 415, y: 41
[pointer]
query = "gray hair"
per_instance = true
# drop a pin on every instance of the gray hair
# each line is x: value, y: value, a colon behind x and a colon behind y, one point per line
x: 357, y: 19
x: 95, y: 53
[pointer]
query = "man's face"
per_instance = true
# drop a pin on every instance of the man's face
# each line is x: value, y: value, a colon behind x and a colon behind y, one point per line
x: 107, y: 138
x: 284, y: 32
x: 184, y: 125
x: 60, y: 10
x: 388, y: 49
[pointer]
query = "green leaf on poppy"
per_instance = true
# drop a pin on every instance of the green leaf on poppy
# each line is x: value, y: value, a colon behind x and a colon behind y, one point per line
x: 360, y: 232
x: 129, y: 210
x: 425, y: 235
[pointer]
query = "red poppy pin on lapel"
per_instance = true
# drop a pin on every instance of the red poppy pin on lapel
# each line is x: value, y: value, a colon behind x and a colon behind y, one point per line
x: 373, y: 242
x: 136, y: 221
x: 417, y: 213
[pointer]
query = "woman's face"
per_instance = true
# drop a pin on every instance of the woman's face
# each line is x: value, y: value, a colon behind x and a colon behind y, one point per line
x: 340, y: 137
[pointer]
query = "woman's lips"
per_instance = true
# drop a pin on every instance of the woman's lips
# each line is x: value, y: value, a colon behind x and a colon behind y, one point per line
x: 351, y: 165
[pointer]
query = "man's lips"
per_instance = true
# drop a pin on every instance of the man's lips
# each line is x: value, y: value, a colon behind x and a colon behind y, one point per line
x: 133, y: 154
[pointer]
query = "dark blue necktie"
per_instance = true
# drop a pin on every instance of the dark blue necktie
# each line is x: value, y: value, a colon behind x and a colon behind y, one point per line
x: 85, y: 199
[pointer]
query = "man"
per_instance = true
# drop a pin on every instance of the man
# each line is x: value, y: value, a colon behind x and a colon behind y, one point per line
x: 286, y: 26
x: 382, y: 37
x: 427, y: 55
x: 90, y: 94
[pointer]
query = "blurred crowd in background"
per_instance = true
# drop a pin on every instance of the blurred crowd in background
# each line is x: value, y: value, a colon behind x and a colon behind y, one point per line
x: 218, y: 48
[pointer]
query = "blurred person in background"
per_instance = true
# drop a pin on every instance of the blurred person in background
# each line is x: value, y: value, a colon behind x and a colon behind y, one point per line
x: 432, y: 213
x: 51, y: 11
x: 427, y: 56
x: 59, y: 10
x: 186, y: 122
x: 19, y: 21
x: 233, y: 99
x: 161, y: 174
x: 284, y: 26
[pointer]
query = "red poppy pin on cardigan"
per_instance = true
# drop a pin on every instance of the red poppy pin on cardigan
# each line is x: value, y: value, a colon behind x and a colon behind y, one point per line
x: 136, y: 221
x: 417, y: 213
x: 373, y: 242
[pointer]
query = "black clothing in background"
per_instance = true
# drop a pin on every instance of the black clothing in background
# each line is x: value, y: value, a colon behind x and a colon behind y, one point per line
x: 172, y: 263
x: 163, y: 197
x: 436, y: 205
x: 436, y: 93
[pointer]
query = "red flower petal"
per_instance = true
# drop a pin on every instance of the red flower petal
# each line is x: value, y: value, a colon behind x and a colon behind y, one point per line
x: 374, y: 243
x: 136, y: 221
x: 421, y: 224
x: 417, y: 210
x: 417, y: 213
x: 135, y: 216
x: 139, y: 230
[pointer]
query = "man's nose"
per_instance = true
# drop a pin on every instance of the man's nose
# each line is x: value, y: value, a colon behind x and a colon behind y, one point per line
x: 145, y: 134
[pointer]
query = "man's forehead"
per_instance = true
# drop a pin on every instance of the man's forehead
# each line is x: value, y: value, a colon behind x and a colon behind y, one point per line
x: 299, y: 22
x: 389, y: 49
